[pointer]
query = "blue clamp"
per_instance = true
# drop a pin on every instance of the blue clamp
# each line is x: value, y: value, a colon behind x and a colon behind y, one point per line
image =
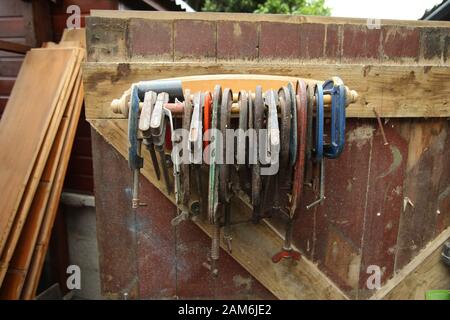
x: 336, y: 89
x: 318, y: 93
x: 134, y: 159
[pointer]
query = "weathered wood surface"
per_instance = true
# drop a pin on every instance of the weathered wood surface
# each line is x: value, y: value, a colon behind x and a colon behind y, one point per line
x: 30, y: 280
x: 40, y: 82
x: 39, y: 168
x: 20, y: 261
x: 216, y: 16
x: 394, y: 91
x: 427, y: 184
x: 254, y: 245
x: 147, y: 257
x: 425, y: 272
x: 398, y: 70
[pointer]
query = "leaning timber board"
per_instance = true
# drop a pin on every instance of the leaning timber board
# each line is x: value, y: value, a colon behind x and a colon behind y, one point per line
x: 253, y: 246
x: 25, y: 122
x: 391, y: 90
x: 31, y: 281
x: 21, y: 259
x: 38, y: 168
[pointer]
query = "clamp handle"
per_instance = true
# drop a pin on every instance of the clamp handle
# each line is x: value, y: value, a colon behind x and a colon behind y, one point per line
x: 318, y: 93
x: 134, y: 159
x: 336, y: 89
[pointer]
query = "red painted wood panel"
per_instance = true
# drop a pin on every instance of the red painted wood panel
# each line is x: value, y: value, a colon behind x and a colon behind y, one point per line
x: 79, y: 183
x: 425, y: 172
x: 3, y: 101
x: 85, y: 5
x: 80, y: 165
x: 10, y: 67
x: 156, y: 259
x: 384, y: 202
x: 11, y: 8
x: 12, y: 27
x: 6, y: 85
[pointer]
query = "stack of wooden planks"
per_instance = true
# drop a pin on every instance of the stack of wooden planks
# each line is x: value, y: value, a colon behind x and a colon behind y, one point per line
x: 36, y: 136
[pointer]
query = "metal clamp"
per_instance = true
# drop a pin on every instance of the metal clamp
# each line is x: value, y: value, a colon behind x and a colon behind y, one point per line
x: 336, y: 89
x: 144, y: 125
x: 135, y: 160
x: 158, y: 130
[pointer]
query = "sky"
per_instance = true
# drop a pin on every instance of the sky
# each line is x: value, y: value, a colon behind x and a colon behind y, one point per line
x: 381, y: 9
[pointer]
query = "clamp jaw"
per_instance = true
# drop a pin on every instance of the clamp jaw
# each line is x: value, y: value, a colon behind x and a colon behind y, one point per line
x: 135, y: 160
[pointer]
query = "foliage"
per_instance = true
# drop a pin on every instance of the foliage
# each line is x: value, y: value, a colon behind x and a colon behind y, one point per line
x: 306, y: 7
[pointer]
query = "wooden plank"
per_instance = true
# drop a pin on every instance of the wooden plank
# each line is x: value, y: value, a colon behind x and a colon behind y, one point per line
x: 10, y: 67
x: 425, y: 168
x: 12, y: 27
x: 40, y: 249
x: 425, y: 272
x: 21, y: 259
x: 40, y: 82
x: 85, y: 5
x: 39, y: 173
x: 250, y: 17
x: 395, y: 91
x: 13, y: 47
x: 78, y: 35
x: 11, y: 8
x: 253, y: 246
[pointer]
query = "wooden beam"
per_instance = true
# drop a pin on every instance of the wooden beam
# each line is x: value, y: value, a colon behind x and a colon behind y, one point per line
x: 425, y: 272
x: 253, y: 246
x: 251, y: 17
x: 393, y: 90
x: 14, y: 47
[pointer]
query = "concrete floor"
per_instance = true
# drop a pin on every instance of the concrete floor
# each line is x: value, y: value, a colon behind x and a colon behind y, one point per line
x: 83, y: 251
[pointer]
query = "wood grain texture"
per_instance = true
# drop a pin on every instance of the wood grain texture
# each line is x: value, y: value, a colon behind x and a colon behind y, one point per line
x: 425, y: 179
x: 39, y: 172
x: 425, y: 272
x: 20, y: 261
x: 253, y: 246
x: 31, y: 281
x: 216, y: 16
x: 43, y: 76
x: 394, y: 90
